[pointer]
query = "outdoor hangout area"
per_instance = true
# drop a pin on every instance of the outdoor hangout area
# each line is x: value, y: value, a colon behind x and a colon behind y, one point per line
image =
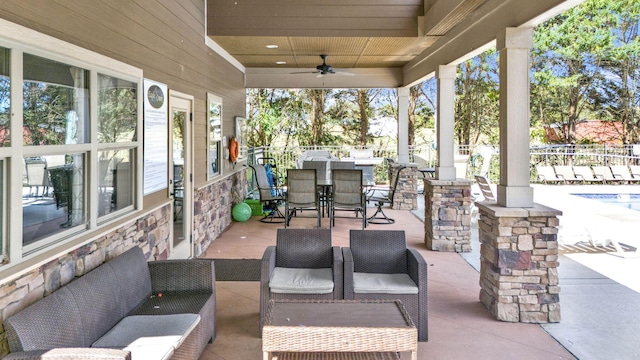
x: 298, y: 180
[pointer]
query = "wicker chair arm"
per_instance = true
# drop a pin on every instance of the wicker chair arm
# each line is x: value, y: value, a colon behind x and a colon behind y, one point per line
x: 338, y: 271
x: 348, y: 272
x: 268, y: 263
x: 197, y: 275
x: 417, y: 268
x: 71, y: 354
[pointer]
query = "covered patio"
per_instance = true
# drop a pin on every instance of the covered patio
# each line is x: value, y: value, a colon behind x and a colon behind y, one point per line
x: 459, y: 325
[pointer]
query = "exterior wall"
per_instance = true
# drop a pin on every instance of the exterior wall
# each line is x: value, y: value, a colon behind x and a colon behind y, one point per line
x: 166, y: 40
x: 150, y: 232
x: 212, y: 209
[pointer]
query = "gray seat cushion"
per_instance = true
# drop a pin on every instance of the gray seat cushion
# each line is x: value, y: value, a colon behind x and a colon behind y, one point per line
x: 149, y: 336
x: 370, y: 283
x: 301, y: 281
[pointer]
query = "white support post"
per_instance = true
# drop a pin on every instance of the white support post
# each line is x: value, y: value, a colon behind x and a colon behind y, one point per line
x: 446, y: 75
x: 403, y: 125
x: 514, y: 189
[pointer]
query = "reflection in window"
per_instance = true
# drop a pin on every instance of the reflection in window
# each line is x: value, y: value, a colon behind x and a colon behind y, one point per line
x: 2, y: 208
x: 5, y: 97
x: 53, y: 198
x: 115, y: 180
x: 117, y: 109
x: 215, y: 134
x: 56, y: 102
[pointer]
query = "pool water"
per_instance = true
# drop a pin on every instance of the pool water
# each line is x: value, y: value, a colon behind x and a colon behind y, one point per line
x: 628, y: 201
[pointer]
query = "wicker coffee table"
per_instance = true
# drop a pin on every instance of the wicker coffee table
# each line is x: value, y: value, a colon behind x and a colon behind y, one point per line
x: 379, y: 328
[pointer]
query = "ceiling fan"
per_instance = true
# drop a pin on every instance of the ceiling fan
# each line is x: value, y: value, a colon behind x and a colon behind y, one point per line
x: 324, y: 69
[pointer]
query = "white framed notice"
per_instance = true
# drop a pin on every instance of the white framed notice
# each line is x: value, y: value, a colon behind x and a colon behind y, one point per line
x: 156, y: 135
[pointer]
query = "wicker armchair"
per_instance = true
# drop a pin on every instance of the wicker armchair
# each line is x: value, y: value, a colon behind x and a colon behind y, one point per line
x: 300, y: 249
x: 375, y: 268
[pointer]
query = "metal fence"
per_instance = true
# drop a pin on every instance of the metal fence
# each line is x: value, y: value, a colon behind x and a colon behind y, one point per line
x: 426, y: 156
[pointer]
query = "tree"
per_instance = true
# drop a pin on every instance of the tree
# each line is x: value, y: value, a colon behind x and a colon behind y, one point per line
x: 476, y: 103
x: 568, y: 56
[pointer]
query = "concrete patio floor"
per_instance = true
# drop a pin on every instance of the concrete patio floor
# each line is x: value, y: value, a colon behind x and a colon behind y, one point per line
x: 459, y: 326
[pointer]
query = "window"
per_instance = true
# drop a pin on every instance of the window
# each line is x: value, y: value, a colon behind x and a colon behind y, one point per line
x: 215, y: 134
x: 74, y: 169
x: 117, y: 114
x: 55, y: 103
x: 55, y: 201
x: 5, y: 99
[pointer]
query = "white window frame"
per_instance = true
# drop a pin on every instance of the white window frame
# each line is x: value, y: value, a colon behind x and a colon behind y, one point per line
x: 20, y: 40
x: 215, y: 99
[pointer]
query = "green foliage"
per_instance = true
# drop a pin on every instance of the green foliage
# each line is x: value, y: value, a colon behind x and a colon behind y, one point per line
x: 585, y: 64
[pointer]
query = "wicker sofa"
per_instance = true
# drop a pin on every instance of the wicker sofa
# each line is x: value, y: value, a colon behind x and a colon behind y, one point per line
x: 127, y: 308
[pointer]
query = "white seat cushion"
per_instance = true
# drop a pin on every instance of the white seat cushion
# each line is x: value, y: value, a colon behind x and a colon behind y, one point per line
x: 301, y: 281
x: 149, y: 336
x: 369, y: 283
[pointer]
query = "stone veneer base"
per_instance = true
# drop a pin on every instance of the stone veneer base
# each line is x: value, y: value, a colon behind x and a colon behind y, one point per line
x: 519, y: 263
x: 447, y: 225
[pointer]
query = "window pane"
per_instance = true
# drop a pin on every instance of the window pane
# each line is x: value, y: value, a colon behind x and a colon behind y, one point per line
x: 115, y: 180
x: 215, y: 134
x: 56, y: 103
x: 52, y: 196
x: 5, y: 97
x: 2, y: 230
x: 117, y: 110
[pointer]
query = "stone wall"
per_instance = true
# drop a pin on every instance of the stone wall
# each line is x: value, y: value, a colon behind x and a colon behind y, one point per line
x: 519, y: 263
x: 447, y: 224
x: 406, y: 192
x: 212, y: 215
x: 212, y: 208
x: 150, y: 232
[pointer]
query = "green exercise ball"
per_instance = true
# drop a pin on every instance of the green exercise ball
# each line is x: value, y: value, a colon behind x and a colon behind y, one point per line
x: 241, y: 212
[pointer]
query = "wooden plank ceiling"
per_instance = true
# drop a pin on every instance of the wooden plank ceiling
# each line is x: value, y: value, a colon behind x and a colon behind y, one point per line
x: 353, y: 33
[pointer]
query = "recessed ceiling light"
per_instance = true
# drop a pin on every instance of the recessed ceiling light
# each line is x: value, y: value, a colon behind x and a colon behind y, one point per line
x: 272, y: 46
x: 281, y: 62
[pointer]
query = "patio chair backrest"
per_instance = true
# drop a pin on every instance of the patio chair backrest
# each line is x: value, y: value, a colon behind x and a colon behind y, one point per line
x: 605, y: 172
x: 302, y: 188
x: 304, y: 248
x: 585, y: 172
x: 367, y: 174
x: 320, y: 166
x: 622, y: 170
x: 485, y: 188
x: 566, y: 171
x: 394, y: 185
x: 347, y: 188
x: 349, y: 165
x: 265, y: 188
x: 36, y: 171
x: 379, y: 251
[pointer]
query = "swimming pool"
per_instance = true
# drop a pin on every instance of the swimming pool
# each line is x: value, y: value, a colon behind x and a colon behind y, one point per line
x: 629, y: 201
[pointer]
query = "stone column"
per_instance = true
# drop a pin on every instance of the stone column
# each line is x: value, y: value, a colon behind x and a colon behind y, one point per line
x: 405, y: 196
x: 447, y: 221
x: 519, y: 263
